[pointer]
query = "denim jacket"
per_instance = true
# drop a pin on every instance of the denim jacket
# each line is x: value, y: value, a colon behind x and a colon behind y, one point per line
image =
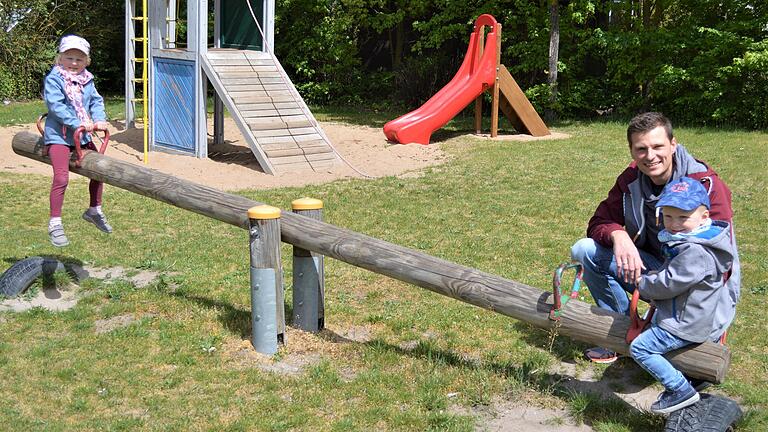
x: 62, y: 113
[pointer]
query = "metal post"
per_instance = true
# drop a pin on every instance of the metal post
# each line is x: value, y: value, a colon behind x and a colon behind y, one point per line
x: 308, y: 275
x: 267, y: 314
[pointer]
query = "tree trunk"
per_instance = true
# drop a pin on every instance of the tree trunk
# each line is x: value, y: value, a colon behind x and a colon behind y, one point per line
x: 554, y: 50
x: 396, y: 43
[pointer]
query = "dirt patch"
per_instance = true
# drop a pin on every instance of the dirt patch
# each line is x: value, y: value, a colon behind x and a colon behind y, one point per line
x: 59, y: 299
x: 114, y: 323
x: 139, y: 278
x: 302, y: 351
x: 52, y: 299
x: 514, y: 415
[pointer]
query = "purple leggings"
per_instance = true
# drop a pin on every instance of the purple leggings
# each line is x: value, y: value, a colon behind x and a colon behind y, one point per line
x: 59, y: 154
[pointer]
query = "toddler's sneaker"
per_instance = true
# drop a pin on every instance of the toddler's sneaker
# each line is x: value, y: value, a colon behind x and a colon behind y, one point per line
x: 99, y: 220
x: 56, y: 233
x: 670, y: 401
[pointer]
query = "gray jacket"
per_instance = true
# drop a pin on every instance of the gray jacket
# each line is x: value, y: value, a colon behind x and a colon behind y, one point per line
x: 689, y: 291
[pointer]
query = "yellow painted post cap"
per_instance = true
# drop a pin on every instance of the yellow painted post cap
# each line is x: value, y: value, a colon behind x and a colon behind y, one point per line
x: 261, y: 212
x: 306, y: 204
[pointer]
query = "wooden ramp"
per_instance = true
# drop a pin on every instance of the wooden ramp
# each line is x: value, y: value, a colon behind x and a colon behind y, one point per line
x: 268, y: 110
x: 516, y: 106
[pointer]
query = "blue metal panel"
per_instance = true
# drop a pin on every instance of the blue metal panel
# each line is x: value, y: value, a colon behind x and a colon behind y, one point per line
x: 174, y: 122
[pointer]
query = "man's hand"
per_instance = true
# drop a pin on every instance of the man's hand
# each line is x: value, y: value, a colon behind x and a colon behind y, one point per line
x: 629, y: 265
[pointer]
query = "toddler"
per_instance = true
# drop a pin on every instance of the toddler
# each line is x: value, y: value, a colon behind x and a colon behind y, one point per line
x: 692, y: 302
x: 72, y: 101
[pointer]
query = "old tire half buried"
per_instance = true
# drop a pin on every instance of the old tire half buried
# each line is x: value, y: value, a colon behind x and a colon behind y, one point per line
x: 22, y: 274
x: 711, y: 414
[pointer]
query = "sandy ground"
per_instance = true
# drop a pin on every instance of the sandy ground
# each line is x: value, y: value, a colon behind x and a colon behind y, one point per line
x: 232, y: 166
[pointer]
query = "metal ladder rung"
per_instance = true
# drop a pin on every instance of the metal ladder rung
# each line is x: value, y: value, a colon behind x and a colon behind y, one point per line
x: 138, y: 18
x: 139, y: 39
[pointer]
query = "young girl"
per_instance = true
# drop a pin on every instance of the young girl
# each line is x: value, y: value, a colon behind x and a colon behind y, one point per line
x: 72, y: 102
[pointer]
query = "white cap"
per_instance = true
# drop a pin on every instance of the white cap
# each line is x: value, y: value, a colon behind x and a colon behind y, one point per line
x: 74, y: 42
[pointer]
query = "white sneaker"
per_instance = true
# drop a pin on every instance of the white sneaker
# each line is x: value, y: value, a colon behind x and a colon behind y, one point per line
x: 56, y: 233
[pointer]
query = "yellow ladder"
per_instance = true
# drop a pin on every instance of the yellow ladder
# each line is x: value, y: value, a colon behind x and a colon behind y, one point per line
x: 144, y: 61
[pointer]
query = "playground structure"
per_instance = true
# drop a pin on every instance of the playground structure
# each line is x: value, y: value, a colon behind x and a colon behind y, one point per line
x: 247, y: 78
x: 708, y: 361
x: 480, y: 71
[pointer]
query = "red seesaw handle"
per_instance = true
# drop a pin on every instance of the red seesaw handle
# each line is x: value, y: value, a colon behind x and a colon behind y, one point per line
x: 637, y: 324
x: 78, y: 149
x: 40, y: 127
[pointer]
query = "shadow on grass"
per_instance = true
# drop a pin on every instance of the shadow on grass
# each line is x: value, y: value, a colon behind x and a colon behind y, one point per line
x: 235, y: 320
x: 590, y: 402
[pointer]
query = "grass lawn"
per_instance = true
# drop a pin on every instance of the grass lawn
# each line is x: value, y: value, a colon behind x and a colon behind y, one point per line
x: 509, y: 208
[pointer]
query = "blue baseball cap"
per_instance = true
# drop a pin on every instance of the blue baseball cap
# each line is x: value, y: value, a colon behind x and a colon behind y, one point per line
x: 684, y: 193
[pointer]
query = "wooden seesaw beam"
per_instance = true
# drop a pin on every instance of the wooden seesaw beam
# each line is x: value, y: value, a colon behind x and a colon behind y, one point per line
x: 580, y: 320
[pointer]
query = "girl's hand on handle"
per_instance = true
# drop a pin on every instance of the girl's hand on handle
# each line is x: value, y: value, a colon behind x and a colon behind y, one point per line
x: 629, y: 265
x: 87, y: 125
x: 101, y: 125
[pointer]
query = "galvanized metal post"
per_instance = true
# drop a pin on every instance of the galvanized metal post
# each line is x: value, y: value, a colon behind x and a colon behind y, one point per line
x: 308, y: 275
x: 267, y: 306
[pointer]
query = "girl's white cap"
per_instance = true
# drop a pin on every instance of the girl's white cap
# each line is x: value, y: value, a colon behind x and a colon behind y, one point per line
x: 74, y: 42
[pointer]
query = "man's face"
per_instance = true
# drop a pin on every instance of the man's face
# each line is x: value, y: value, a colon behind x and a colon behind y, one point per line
x: 73, y: 60
x: 654, y: 152
x: 681, y: 221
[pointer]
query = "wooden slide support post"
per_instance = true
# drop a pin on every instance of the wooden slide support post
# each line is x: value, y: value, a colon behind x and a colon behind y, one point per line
x: 479, y: 99
x: 267, y: 306
x: 494, y: 89
x: 581, y: 321
x: 308, y: 275
x: 495, y: 99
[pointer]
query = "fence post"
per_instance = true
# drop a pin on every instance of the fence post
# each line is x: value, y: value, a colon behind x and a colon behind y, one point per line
x: 267, y: 305
x: 308, y: 275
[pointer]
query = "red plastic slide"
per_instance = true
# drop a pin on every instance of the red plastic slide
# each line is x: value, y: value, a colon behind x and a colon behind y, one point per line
x: 475, y: 75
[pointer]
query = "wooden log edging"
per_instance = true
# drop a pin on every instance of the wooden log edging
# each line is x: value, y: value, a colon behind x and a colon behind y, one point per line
x: 579, y: 320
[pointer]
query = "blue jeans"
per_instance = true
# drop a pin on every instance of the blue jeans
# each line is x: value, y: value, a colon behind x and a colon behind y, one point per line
x: 599, y: 263
x: 648, y: 349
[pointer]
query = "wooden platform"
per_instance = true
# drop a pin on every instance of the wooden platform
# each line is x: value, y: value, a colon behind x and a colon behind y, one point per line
x: 268, y: 110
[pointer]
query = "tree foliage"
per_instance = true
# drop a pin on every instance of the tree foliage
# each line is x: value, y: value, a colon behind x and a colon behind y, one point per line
x: 30, y: 33
x: 699, y: 61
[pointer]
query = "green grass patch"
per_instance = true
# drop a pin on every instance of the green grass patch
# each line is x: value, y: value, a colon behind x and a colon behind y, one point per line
x: 508, y: 208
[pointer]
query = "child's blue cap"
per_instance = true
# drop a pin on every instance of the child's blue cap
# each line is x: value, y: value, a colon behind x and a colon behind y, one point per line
x: 685, y: 193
